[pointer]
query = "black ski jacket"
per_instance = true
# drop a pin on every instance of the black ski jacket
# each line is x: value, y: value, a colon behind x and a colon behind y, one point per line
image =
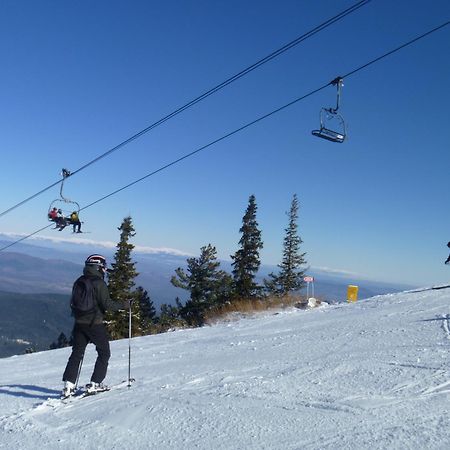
x: 104, y: 302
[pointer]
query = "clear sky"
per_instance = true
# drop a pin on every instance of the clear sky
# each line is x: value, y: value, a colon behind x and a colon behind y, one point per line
x: 78, y: 78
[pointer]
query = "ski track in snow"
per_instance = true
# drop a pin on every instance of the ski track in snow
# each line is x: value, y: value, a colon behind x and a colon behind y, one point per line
x: 374, y: 374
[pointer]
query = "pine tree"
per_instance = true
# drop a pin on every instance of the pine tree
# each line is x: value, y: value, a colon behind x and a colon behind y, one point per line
x: 60, y: 343
x: 170, y: 316
x: 246, y: 260
x: 121, y: 282
x: 290, y: 277
x: 147, y: 310
x: 205, y: 282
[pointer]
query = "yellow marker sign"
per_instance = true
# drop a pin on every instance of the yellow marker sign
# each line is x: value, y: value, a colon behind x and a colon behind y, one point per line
x: 352, y: 293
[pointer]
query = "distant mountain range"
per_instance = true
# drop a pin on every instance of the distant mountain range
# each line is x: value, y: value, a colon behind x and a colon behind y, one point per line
x: 36, y: 280
x: 26, y: 274
x: 39, y: 269
x: 32, y: 321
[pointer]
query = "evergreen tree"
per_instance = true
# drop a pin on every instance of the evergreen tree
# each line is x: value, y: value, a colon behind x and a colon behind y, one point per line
x: 246, y: 260
x: 205, y: 282
x: 121, y: 282
x: 170, y: 316
x: 60, y: 343
x: 290, y: 277
x: 147, y: 310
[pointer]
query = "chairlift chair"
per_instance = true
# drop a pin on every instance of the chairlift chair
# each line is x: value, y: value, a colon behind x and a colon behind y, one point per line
x: 332, y: 125
x: 329, y: 116
x: 64, y: 204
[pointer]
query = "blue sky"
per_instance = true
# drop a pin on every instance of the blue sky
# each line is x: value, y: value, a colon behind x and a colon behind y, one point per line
x: 79, y: 78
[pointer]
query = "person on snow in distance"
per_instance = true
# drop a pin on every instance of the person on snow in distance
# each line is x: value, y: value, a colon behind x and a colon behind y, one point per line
x: 448, y: 259
x: 89, y: 327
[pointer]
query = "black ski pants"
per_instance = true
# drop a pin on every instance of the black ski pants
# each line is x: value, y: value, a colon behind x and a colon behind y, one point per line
x: 82, y: 335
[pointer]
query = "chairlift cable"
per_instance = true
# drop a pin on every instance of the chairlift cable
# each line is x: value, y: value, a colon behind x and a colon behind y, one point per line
x: 204, y: 147
x: 230, y: 80
x: 259, y: 119
x: 206, y: 94
x: 337, y: 132
x: 25, y: 237
x: 406, y: 44
x: 352, y: 72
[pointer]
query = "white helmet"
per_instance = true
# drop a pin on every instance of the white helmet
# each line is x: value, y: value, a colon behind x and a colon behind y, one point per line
x: 96, y: 260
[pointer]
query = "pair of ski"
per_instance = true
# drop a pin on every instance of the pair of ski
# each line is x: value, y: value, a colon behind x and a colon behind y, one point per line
x: 82, y: 393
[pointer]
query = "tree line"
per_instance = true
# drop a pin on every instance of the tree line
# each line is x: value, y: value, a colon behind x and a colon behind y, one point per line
x: 208, y: 285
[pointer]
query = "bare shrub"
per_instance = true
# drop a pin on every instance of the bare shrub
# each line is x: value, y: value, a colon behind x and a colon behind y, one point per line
x: 249, y: 306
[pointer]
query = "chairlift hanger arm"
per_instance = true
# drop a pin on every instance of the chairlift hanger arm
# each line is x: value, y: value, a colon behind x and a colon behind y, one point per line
x: 338, y: 82
x: 65, y: 174
x: 331, y: 115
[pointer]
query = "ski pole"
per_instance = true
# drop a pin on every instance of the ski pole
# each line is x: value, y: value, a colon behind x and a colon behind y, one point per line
x: 79, y: 371
x: 129, y: 346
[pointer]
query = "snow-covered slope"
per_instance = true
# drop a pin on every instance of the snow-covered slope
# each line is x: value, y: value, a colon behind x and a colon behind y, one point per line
x: 374, y: 374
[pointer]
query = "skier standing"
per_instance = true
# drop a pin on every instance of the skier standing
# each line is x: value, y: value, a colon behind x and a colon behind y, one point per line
x: 89, y: 327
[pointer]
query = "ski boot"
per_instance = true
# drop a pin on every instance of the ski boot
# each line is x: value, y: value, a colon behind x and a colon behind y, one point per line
x: 94, y: 388
x: 68, y: 389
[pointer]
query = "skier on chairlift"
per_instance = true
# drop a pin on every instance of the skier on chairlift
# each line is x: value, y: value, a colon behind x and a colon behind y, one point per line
x: 56, y: 215
x: 53, y: 214
x: 75, y: 222
x: 61, y: 221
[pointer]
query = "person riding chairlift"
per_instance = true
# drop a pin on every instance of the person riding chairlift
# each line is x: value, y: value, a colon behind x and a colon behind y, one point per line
x: 61, y: 220
x: 75, y: 222
x: 53, y: 214
x: 56, y: 216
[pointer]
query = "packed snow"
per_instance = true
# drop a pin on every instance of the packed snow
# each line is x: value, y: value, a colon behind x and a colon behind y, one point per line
x: 373, y: 374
